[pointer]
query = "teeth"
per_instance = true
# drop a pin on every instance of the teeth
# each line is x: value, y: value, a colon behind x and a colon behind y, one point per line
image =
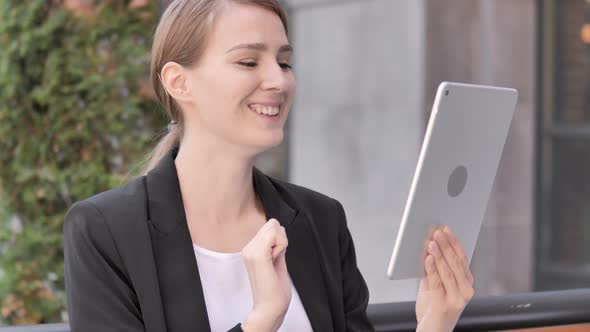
x: 266, y: 110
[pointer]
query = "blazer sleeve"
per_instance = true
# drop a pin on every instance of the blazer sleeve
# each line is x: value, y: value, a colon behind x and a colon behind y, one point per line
x: 354, y: 288
x: 99, y: 294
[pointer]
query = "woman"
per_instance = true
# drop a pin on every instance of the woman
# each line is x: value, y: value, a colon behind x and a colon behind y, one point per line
x: 205, y: 241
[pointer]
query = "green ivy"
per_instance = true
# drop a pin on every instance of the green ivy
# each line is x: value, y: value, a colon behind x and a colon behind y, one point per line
x: 75, y: 118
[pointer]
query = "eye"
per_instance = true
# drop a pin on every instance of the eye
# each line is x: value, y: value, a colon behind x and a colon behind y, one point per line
x: 248, y: 64
x: 253, y: 64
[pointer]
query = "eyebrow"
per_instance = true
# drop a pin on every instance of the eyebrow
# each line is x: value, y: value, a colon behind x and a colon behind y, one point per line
x: 261, y: 47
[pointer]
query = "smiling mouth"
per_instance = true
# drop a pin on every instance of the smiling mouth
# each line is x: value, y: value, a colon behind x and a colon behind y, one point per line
x: 271, y: 111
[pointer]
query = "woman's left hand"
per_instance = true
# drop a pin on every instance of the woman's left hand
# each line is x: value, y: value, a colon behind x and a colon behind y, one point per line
x: 447, y: 286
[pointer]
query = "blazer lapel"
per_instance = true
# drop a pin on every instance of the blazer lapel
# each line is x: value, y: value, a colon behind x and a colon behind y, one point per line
x: 302, y: 257
x: 177, y: 270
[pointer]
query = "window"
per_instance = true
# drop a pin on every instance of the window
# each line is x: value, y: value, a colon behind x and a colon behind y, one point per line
x: 563, y: 197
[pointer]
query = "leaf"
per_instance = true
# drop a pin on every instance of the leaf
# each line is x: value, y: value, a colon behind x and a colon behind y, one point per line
x: 62, y: 105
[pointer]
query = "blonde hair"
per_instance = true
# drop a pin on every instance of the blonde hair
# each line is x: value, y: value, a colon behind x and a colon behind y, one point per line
x: 181, y: 36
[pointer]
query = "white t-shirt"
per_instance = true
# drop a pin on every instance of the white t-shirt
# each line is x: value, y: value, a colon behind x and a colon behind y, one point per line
x: 228, y: 295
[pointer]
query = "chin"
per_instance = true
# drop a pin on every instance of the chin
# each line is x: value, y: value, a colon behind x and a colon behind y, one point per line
x: 268, y: 141
x: 274, y: 140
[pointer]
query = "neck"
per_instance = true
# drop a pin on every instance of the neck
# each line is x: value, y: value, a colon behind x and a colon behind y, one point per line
x: 216, y: 184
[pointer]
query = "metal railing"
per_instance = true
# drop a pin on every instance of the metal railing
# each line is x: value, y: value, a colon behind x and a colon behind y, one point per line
x: 489, y: 313
x: 495, y: 313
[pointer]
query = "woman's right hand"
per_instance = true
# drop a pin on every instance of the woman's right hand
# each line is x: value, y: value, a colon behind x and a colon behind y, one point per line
x: 264, y: 257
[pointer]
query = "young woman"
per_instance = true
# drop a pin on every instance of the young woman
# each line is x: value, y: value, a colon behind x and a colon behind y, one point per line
x: 207, y: 242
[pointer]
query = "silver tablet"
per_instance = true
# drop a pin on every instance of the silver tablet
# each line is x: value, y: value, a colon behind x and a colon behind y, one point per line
x: 455, y: 173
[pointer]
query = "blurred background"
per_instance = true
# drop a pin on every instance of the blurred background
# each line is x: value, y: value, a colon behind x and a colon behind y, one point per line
x: 77, y: 116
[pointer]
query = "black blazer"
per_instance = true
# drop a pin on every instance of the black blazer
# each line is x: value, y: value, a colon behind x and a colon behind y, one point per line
x: 130, y: 264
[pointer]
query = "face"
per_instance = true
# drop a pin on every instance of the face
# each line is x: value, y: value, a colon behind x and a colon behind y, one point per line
x: 243, y: 87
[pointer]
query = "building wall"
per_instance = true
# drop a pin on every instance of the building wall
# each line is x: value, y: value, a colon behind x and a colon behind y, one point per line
x: 356, y: 124
x: 367, y: 72
x: 494, y: 42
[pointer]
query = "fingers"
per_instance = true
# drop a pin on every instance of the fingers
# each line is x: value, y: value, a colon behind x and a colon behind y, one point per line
x: 432, y: 277
x: 269, y: 243
x: 281, y: 242
x: 455, y: 262
x: 427, y: 240
x: 274, y: 237
x: 444, y: 271
x: 460, y: 253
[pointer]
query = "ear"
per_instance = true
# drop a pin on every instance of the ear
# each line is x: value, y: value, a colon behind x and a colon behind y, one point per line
x: 174, y: 80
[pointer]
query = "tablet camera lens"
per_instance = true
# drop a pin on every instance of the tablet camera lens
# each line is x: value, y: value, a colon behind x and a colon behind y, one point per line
x: 457, y: 181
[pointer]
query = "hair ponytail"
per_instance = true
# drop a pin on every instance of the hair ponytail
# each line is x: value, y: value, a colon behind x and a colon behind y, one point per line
x: 167, y: 142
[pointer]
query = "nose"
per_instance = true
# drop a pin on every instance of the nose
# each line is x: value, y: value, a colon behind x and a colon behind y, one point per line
x: 275, y: 78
